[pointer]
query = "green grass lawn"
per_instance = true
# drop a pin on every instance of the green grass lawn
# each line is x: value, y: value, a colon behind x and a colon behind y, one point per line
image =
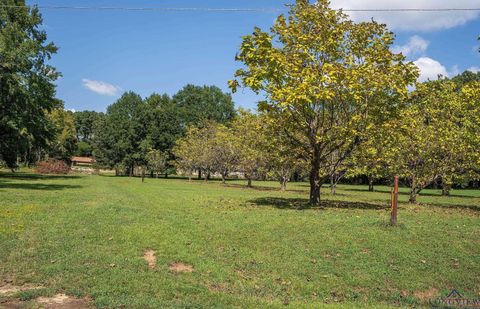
x: 86, y: 235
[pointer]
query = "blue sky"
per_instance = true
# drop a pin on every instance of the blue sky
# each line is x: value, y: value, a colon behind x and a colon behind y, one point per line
x: 103, y: 53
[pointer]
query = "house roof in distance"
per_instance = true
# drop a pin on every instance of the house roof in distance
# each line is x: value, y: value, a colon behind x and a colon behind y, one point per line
x: 83, y: 160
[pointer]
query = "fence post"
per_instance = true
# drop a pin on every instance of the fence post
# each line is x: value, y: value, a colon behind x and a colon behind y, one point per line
x: 394, y: 202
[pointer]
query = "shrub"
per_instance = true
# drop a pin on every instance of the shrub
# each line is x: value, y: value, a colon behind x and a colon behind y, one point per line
x: 53, y: 166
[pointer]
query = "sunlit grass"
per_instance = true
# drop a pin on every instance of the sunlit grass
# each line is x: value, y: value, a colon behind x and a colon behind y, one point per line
x: 85, y: 235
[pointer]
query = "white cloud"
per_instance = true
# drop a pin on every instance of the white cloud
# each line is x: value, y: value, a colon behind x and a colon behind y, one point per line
x: 454, y: 71
x: 100, y: 87
x: 416, y: 21
x: 416, y: 45
x: 430, y: 69
x: 474, y: 69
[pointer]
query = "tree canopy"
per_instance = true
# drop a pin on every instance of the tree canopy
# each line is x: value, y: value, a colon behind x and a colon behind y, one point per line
x: 197, y: 104
x: 27, y: 92
x: 326, y: 77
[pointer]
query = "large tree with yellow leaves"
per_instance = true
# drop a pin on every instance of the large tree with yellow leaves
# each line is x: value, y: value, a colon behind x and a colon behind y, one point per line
x: 327, y: 80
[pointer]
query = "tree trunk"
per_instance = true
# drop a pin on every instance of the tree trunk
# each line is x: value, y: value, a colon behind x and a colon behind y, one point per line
x: 333, y: 185
x: 370, y: 184
x: 199, y: 174
x: 166, y: 175
x: 249, y: 182
x: 315, y: 181
x: 413, y: 196
x: 143, y: 174
x: 130, y: 172
x: 413, y: 191
x: 224, y: 177
x: 189, y: 177
x: 446, y: 189
x: 206, y: 177
x: 283, y: 183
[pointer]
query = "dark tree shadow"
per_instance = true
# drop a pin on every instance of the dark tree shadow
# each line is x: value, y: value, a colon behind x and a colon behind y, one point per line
x: 453, y: 194
x: 302, y: 204
x: 436, y: 205
x: 263, y: 188
x: 35, y: 186
x: 31, y: 176
x: 455, y: 206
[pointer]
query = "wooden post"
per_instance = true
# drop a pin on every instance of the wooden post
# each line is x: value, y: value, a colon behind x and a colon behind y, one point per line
x: 394, y: 202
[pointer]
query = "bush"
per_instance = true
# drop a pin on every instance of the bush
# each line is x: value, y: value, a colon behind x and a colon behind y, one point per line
x: 53, y: 166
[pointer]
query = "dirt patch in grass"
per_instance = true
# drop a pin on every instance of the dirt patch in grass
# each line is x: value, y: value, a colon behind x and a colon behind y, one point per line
x: 425, y: 296
x: 151, y: 259
x: 179, y: 267
x: 217, y: 287
x: 59, y: 301
x: 12, y: 304
x: 62, y: 301
x: 9, y: 289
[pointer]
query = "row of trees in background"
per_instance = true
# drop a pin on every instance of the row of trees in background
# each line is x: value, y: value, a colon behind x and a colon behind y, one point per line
x: 434, y: 138
x: 140, y: 133
x: 249, y: 145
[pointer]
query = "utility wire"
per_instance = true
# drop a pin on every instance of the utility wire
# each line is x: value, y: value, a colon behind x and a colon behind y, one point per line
x: 265, y: 10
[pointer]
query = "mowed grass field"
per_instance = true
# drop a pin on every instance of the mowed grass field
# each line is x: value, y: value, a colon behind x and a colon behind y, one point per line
x: 87, y: 235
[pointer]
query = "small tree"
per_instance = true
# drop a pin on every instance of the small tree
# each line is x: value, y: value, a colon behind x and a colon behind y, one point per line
x: 193, y: 151
x: 435, y: 136
x: 370, y: 158
x: 156, y: 161
x: 249, y: 131
x: 282, y: 158
x: 223, y: 153
x: 65, y: 142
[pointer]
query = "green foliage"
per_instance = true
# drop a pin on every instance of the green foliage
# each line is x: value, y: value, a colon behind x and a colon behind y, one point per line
x: 84, y: 124
x: 163, y: 122
x: 436, y: 134
x: 156, y: 161
x: 26, y: 83
x: 197, y: 104
x: 134, y: 127
x: 65, y: 142
x: 466, y: 78
x: 224, y: 153
x: 119, y: 135
x: 195, y: 151
x: 327, y: 79
x: 250, y: 140
x: 84, y: 149
x: 370, y: 158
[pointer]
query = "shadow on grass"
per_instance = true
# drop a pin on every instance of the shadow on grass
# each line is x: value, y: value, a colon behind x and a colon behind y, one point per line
x: 263, y: 188
x: 31, y: 176
x: 35, y: 186
x: 437, y: 205
x: 456, y: 206
x: 302, y: 204
x: 453, y: 194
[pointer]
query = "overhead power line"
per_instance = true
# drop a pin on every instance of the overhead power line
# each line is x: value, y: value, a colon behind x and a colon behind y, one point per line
x: 206, y: 9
